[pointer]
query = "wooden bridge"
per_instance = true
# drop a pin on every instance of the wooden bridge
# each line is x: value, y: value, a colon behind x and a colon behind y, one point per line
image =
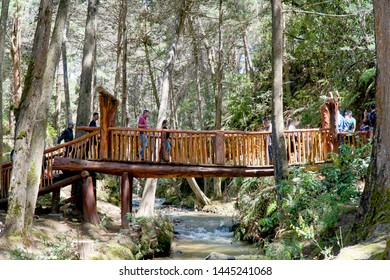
x: 116, y: 150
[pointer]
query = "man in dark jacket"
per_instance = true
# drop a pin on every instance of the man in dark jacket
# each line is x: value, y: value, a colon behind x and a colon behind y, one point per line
x: 95, y: 117
x: 67, y: 136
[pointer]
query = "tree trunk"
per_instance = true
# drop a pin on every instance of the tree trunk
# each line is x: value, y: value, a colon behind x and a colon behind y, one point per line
x: 146, y: 207
x: 16, y: 54
x: 68, y: 112
x: 219, y: 94
x: 196, y: 54
x: 198, y: 192
x: 374, y: 206
x: 118, y: 51
x: 124, y: 64
x: 147, y: 202
x: 3, y: 24
x: 152, y: 79
x: 57, y: 119
x: 278, y: 142
x: 84, y: 109
x: 248, y: 55
x: 25, y: 176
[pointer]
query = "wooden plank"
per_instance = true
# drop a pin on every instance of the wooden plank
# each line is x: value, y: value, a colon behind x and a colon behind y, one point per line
x: 59, y: 184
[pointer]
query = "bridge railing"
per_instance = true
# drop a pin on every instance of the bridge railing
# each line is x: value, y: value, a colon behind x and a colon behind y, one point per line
x: 255, y: 148
x: 354, y: 139
x: 187, y: 147
x: 85, y: 147
x: 229, y: 148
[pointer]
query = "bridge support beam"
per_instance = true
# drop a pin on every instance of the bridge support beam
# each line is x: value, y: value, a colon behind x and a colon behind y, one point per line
x: 126, y: 197
x: 89, y: 202
x: 159, y: 170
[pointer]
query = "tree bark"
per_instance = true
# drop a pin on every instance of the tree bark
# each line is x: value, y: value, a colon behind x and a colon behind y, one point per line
x: 3, y: 24
x: 219, y: 93
x: 198, y: 192
x: 124, y: 64
x: 25, y: 175
x: 84, y: 109
x: 248, y: 55
x: 57, y: 119
x: 16, y: 55
x: 195, y: 52
x: 278, y: 142
x: 118, y: 51
x: 374, y: 206
x: 68, y: 112
x: 151, y: 74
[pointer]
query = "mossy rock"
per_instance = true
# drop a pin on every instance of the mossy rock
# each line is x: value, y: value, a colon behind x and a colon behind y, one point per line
x: 368, y: 251
x: 119, y: 252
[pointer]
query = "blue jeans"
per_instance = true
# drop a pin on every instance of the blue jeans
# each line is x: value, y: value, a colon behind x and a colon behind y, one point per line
x: 144, y: 144
x: 168, y: 146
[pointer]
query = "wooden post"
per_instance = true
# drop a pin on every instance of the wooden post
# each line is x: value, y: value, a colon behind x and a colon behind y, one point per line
x: 329, y: 117
x: 108, y: 116
x: 89, y: 202
x: 219, y: 148
x: 126, y: 197
x: 55, y: 201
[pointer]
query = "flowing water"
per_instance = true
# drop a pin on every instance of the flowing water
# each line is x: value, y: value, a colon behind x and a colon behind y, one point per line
x: 197, y: 234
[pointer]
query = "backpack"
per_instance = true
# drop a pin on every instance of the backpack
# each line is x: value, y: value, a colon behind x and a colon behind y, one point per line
x: 372, y: 117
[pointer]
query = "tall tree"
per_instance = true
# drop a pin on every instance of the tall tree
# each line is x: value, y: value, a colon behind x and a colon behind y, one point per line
x: 374, y: 207
x: 68, y: 111
x: 219, y: 93
x: 146, y: 208
x: 39, y: 133
x: 124, y: 63
x: 196, y: 55
x: 3, y: 24
x: 278, y: 142
x: 84, y: 109
x: 16, y: 55
x: 25, y: 174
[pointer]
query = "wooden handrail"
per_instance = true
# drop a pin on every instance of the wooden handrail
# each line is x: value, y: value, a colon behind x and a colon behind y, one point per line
x: 88, y: 128
x: 210, y: 131
x: 75, y: 141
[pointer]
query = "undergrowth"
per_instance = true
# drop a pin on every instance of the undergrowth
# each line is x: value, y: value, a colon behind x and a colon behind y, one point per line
x: 306, y: 222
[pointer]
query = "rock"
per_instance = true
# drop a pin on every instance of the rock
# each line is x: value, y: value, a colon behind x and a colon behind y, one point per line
x: 373, y: 248
x: 218, y: 256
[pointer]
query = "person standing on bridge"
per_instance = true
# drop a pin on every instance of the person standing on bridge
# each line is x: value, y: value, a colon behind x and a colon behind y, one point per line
x: 95, y: 117
x: 142, y: 123
x: 268, y: 126
x: 67, y: 136
x: 166, y: 145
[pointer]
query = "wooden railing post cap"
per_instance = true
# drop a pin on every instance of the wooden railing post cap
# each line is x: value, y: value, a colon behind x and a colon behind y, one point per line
x: 84, y: 173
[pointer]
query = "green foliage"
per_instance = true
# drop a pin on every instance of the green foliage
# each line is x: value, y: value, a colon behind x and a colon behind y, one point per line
x: 21, y: 254
x: 257, y: 204
x: 309, y: 213
x: 62, y: 250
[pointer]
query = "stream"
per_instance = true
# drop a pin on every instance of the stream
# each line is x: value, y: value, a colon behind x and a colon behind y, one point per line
x: 197, y: 234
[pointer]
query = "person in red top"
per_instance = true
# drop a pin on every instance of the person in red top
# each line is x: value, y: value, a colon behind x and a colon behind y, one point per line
x: 142, y: 123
